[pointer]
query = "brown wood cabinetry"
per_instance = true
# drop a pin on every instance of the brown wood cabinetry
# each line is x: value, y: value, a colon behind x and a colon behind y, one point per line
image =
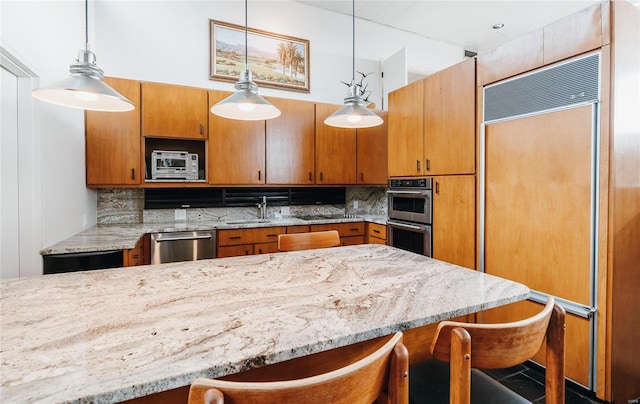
x: 376, y: 233
x: 449, y: 120
x: 454, y: 227
x: 113, y: 141
x: 350, y: 233
x: 236, y: 149
x: 584, y: 248
x: 432, y: 124
x: 371, y: 156
x: 260, y: 240
x: 406, y: 133
x: 335, y: 150
x: 139, y: 255
x: 290, y: 144
x: 174, y: 111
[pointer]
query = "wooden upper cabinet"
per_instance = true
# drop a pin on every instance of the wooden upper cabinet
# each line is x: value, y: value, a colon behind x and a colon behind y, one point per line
x: 335, y: 150
x: 174, y: 111
x: 372, y: 153
x: 236, y: 153
x: 113, y: 140
x: 406, y: 131
x: 291, y: 143
x: 449, y: 120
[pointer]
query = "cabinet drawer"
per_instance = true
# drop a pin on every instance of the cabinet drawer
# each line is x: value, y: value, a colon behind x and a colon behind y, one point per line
x: 265, y: 248
x: 344, y: 229
x: 298, y: 229
x: 377, y: 230
x: 235, y: 250
x: 249, y: 236
x: 352, y: 240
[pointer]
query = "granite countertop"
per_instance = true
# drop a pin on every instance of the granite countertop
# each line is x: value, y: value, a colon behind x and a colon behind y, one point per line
x: 105, y: 237
x: 109, y: 335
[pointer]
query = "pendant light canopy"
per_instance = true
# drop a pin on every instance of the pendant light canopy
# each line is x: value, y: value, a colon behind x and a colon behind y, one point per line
x: 85, y: 87
x: 354, y: 113
x: 245, y: 104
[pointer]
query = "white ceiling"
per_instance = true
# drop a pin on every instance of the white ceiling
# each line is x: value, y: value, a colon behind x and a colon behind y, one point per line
x: 464, y: 23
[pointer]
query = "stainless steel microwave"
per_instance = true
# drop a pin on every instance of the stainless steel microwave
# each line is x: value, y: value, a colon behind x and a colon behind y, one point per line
x: 174, y: 165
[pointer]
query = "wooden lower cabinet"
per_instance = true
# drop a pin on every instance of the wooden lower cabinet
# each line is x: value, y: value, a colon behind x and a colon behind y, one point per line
x: 376, y: 233
x: 260, y: 240
x: 298, y: 229
x: 350, y: 233
x: 139, y: 255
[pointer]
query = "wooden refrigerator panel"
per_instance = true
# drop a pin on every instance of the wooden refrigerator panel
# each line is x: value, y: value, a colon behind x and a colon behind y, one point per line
x: 538, y: 202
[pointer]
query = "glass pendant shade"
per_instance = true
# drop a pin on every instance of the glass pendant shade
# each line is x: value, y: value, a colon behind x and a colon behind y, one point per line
x: 85, y: 87
x: 353, y: 114
x: 245, y: 104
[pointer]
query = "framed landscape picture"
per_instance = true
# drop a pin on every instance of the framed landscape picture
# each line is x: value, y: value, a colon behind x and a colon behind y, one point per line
x: 276, y: 61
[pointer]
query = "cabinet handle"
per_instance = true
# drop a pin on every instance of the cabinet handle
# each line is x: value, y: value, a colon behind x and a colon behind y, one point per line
x: 418, y: 165
x: 272, y: 235
x: 259, y: 175
x: 310, y: 176
x: 202, y: 129
x: 362, y: 177
x: 259, y: 250
x: 246, y: 252
x: 354, y: 229
x: 320, y: 175
x: 427, y: 164
x: 376, y: 231
x: 133, y: 173
x: 135, y: 256
x: 235, y: 237
x: 437, y: 187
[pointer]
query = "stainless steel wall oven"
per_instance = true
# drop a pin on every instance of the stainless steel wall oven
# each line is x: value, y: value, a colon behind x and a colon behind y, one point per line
x: 410, y: 214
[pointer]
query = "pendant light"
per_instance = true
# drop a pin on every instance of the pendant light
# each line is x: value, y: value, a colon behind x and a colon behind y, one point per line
x: 245, y: 104
x: 354, y: 113
x: 84, y: 88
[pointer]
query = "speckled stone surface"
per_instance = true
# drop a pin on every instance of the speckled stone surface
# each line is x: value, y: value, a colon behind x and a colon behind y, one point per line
x: 115, y: 334
x: 105, y: 237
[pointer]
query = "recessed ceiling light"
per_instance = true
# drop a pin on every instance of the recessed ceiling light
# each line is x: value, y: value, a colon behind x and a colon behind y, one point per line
x: 498, y: 26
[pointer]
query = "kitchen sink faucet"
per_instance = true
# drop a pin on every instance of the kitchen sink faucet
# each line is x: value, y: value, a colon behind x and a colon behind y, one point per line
x: 262, y: 208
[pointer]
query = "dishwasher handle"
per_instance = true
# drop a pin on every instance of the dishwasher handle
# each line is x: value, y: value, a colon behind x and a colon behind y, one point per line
x: 178, y: 238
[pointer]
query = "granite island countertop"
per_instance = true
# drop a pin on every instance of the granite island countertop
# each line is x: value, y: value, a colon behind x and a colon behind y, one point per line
x: 109, y: 335
x: 106, y: 237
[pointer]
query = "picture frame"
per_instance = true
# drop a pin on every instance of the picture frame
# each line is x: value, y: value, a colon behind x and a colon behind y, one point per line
x: 276, y: 61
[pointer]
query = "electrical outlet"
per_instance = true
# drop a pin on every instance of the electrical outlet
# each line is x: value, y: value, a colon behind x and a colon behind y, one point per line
x: 181, y: 214
x: 84, y: 220
x: 355, y: 204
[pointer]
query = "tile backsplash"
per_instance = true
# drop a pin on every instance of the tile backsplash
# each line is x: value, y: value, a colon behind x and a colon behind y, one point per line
x: 127, y: 206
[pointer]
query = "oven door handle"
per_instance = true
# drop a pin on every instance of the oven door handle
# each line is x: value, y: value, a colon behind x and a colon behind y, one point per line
x: 406, y: 225
x: 395, y: 192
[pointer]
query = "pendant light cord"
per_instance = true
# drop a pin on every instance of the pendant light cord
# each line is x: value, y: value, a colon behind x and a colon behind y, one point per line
x: 353, y: 35
x: 86, y: 24
x: 246, y: 46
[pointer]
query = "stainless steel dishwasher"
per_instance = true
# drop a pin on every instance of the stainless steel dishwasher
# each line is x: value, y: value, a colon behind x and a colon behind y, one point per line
x: 182, y: 246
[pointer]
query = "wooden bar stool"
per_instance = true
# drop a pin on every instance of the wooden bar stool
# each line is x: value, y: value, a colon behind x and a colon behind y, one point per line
x: 490, y: 346
x: 371, y: 371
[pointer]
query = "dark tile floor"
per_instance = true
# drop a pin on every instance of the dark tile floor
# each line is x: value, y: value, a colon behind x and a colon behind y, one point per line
x: 528, y: 381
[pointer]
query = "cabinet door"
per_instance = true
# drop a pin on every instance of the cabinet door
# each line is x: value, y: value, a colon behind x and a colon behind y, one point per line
x: 113, y: 140
x: 236, y: 148
x: 449, y: 120
x: 406, y: 130
x: 372, y: 153
x: 234, y: 250
x: 335, y: 150
x: 174, y: 111
x: 291, y: 143
x: 454, y: 219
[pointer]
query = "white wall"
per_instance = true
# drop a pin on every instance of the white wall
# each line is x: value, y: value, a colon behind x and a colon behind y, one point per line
x: 168, y: 41
x: 46, y: 37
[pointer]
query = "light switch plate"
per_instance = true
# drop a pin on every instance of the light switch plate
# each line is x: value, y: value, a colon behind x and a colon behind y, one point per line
x: 355, y: 204
x: 284, y: 210
x: 181, y: 214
